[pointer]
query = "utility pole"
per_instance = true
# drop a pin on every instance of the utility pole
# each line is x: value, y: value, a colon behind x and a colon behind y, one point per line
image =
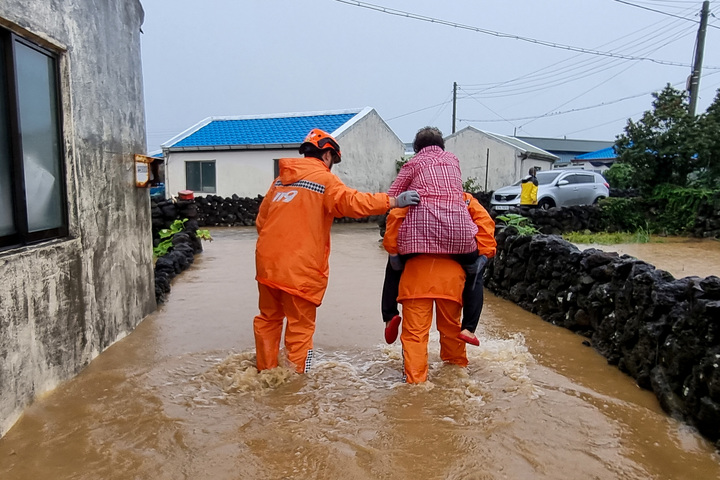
x: 699, y: 50
x: 454, y: 105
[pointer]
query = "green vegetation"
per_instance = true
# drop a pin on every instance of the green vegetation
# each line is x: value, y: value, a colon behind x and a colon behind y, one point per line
x: 472, y: 185
x: 399, y: 163
x: 166, y: 235
x: 673, y: 159
x: 523, y: 225
x: 605, y: 238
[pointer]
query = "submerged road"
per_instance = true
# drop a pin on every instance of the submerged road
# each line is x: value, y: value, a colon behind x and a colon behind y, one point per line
x: 179, y: 398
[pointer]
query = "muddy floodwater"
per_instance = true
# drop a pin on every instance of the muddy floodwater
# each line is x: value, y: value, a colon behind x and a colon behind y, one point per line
x: 180, y: 398
x: 682, y: 257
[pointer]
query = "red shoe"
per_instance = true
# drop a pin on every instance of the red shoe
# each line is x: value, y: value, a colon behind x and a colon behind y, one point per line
x: 469, y: 339
x: 391, y: 329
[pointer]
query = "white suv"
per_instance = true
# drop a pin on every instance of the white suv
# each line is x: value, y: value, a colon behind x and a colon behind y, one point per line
x: 557, y: 188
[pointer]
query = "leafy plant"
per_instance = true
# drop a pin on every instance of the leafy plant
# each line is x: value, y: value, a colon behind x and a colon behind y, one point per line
x: 204, y: 235
x: 523, y: 225
x: 399, y: 163
x: 678, y: 206
x: 621, y: 175
x: 471, y: 185
x: 166, y: 235
x: 623, y: 214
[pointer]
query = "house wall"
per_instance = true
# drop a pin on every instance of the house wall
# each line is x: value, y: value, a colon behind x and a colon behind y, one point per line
x: 504, y: 165
x: 246, y: 173
x: 64, y: 301
x: 370, y: 150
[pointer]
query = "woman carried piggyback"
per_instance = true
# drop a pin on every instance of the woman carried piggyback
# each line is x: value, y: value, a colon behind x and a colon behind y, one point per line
x: 440, y: 224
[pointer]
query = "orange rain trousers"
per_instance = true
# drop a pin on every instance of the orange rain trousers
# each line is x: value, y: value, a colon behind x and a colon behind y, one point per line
x: 416, y: 323
x: 276, y: 305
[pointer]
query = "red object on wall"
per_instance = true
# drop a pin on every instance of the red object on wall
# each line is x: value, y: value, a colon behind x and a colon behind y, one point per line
x: 186, y: 195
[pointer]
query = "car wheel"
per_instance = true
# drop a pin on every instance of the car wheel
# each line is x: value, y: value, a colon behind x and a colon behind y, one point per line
x: 546, y: 203
x: 597, y: 200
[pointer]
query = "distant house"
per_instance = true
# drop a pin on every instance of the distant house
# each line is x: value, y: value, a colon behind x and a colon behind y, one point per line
x: 566, y: 149
x: 597, y: 161
x: 239, y: 155
x: 495, y: 160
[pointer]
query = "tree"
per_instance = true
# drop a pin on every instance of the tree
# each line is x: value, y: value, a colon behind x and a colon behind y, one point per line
x: 708, y: 146
x: 661, y: 147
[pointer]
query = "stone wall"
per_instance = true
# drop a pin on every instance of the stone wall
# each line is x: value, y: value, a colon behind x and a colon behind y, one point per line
x: 664, y: 332
x: 556, y: 221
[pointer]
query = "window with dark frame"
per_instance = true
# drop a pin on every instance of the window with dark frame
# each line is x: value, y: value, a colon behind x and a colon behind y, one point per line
x: 200, y: 176
x: 33, y: 200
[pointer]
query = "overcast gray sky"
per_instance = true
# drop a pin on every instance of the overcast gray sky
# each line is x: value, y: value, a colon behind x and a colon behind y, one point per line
x: 519, y: 64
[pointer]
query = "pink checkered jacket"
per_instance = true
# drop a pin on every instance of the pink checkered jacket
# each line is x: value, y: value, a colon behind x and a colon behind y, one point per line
x: 441, y: 222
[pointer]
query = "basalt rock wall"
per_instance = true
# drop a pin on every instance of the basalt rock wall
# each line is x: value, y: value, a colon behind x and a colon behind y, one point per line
x: 664, y: 332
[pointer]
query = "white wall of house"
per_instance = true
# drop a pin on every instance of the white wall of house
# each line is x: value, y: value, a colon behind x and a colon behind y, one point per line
x: 246, y: 173
x: 586, y: 165
x: 370, y: 150
x: 492, y: 162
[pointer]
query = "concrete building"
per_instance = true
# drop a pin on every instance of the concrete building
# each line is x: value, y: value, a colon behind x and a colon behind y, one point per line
x: 239, y: 155
x: 76, y: 271
x: 495, y: 160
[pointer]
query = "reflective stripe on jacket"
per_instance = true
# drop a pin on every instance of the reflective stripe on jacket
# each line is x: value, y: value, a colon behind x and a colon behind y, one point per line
x: 294, y: 224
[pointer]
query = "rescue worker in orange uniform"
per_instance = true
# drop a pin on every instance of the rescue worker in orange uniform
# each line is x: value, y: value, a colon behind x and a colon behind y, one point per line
x: 434, y: 279
x: 293, y: 246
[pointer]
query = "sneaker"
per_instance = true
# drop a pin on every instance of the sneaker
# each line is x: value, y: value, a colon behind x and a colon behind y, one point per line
x: 391, y: 329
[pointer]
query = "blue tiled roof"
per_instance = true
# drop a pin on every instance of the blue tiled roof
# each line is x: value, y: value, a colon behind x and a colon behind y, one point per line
x: 262, y: 131
x: 598, y: 154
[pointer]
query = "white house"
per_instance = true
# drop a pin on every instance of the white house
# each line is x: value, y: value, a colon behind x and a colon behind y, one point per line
x: 239, y: 155
x: 495, y: 160
x: 598, y: 161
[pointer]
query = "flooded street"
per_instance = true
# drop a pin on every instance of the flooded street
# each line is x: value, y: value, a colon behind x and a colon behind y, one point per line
x: 682, y: 257
x: 180, y: 398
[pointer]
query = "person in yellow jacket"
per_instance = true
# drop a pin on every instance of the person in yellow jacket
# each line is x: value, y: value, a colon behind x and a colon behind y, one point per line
x: 529, y: 188
x: 435, y: 279
x: 293, y: 246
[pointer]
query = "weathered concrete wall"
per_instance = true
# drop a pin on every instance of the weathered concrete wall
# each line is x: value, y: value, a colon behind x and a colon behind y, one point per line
x: 370, y: 150
x: 63, y: 302
x: 504, y: 165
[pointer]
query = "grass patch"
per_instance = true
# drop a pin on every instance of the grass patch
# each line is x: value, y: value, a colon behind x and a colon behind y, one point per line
x: 604, y: 238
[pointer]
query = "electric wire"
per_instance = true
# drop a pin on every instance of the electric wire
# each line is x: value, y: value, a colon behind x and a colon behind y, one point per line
x: 659, y: 11
x: 401, y: 13
x: 555, y: 71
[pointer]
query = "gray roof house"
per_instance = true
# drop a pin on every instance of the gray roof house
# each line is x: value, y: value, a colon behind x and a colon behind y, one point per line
x: 495, y: 160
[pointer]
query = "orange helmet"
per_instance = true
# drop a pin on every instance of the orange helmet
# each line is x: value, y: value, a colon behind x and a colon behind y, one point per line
x: 321, y: 140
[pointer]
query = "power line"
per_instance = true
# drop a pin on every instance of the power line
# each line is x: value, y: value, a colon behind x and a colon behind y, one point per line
x: 660, y: 11
x: 554, y: 114
x: 401, y: 13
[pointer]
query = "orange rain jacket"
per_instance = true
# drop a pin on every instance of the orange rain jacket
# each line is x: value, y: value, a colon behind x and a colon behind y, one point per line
x: 294, y: 223
x: 485, y: 236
